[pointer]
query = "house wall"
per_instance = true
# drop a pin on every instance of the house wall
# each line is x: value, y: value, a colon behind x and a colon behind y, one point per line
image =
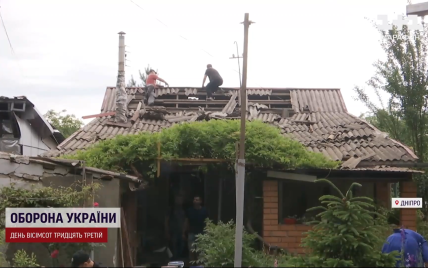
x: 106, y: 255
x: 31, y: 141
x: 289, y: 236
x: 408, y: 216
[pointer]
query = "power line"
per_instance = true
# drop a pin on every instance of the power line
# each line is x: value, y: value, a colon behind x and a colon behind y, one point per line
x: 7, y: 35
x: 181, y: 36
x: 10, y: 43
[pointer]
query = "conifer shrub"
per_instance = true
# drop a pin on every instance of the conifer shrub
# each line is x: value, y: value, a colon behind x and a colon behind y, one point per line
x: 346, y: 233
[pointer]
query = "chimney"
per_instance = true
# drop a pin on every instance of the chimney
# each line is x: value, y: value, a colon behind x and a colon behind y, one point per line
x: 121, y: 96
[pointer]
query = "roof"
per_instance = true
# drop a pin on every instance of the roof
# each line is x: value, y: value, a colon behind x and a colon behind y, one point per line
x: 318, y: 118
x: 35, y: 168
x: 25, y: 109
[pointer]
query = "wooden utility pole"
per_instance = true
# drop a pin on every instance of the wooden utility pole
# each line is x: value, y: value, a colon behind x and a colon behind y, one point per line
x: 240, y: 174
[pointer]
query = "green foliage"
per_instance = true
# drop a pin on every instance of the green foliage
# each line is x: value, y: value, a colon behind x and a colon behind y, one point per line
x: 216, y: 248
x: 74, y: 196
x: 400, y: 85
x: 402, y: 78
x: 265, y: 147
x: 66, y: 124
x: 3, y: 261
x: 21, y: 259
x: 347, y: 234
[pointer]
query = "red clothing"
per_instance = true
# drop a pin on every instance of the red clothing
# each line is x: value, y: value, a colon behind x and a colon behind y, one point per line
x: 151, y: 79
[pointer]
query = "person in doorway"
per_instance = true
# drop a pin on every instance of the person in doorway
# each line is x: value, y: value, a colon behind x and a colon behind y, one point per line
x: 151, y: 85
x: 215, y: 81
x: 194, y: 224
x: 174, y: 225
x: 414, y: 245
x: 82, y: 259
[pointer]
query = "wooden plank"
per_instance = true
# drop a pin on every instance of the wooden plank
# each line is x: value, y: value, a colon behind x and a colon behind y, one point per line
x: 124, y: 230
x: 136, y: 113
x: 126, y: 125
x: 290, y: 176
x: 202, y: 160
x: 159, y: 158
x: 185, y: 101
x: 98, y: 115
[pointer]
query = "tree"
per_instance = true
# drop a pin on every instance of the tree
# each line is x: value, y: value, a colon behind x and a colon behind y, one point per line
x: 402, y: 78
x: 143, y: 76
x: 66, y: 124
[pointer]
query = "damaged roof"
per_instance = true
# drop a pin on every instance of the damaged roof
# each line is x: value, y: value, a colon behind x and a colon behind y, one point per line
x: 318, y: 118
x: 36, y: 168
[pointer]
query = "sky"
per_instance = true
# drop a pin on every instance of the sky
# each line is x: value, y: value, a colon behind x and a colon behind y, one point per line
x: 66, y: 51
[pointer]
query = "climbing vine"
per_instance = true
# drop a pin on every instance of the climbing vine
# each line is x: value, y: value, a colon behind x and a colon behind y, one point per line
x: 266, y: 147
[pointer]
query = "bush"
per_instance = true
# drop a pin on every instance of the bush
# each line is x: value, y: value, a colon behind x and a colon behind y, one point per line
x: 3, y: 261
x: 21, y: 259
x: 347, y: 234
x: 216, y: 248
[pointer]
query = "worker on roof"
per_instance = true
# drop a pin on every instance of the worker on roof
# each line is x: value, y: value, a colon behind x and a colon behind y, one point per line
x: 215, y: 81
x: 151, y: 85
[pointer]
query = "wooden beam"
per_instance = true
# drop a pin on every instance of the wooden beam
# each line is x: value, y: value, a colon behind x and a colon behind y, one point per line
x: 290, y: 176
x: 124, y: 230
x: 98, y: 115
x: 159, y: 159
x: 188, y: 101
x: 125, y: 125
x: 201, y: 160
x: 136, y: 113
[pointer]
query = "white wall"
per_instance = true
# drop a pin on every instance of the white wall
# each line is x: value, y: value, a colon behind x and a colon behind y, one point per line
x: 32, y: 144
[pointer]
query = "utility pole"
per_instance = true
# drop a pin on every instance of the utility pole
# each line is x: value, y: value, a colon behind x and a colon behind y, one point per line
x: 240, y: 174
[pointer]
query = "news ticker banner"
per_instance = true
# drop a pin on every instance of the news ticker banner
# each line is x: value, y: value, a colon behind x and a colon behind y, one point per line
x: 60, y: 225
x: 406, y: 202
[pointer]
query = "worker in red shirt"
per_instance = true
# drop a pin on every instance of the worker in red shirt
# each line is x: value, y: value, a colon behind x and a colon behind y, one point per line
x: 151, y: 85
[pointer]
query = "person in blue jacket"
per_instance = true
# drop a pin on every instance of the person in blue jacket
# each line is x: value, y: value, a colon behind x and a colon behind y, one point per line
x: 415, y: 247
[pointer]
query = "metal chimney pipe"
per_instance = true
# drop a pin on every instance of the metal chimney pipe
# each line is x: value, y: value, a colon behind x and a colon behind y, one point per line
x: 121, y: 96
x: 121, y: 52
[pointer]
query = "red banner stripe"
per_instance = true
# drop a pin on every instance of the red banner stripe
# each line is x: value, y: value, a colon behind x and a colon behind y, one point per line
x: 56, y: 235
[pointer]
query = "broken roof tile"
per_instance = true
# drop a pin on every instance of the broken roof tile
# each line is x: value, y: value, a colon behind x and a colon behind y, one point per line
x: 326, y: 128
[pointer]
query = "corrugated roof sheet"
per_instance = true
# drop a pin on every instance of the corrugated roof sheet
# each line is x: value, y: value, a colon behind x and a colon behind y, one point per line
x: 321, y: 123
x: 321, y: 100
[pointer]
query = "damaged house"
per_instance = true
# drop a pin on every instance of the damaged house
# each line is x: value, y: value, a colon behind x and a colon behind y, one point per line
x: 318, y: 118
x: 24, y: 130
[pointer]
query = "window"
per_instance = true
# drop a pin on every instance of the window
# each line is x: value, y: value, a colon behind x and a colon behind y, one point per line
x: 295, y: 197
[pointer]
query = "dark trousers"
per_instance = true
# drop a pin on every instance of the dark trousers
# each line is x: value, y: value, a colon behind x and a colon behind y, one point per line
x: 212, y: 87
x: 177, y: 245
x: 150, y: 94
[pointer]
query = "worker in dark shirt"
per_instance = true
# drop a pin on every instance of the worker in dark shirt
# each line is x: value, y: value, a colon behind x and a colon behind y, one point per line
x: 194, y: 224
x: 215, y: 81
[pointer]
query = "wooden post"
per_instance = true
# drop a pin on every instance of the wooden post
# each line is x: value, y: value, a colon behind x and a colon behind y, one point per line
x: 159, y: 160
x: 220, y: 196
x: 124, y: 230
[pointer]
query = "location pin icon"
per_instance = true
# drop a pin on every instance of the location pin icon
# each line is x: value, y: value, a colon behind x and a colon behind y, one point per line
x: 396, y: 202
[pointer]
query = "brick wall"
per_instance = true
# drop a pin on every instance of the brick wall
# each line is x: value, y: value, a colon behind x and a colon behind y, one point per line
x: 285, y: 236
x: 408, y: 216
